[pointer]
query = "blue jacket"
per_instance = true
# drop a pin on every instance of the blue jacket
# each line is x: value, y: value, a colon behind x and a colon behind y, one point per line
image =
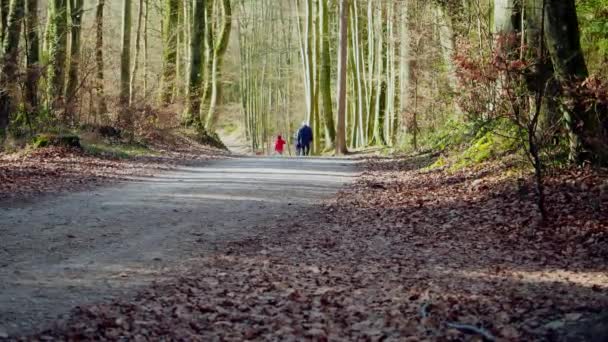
x: 305, y: 135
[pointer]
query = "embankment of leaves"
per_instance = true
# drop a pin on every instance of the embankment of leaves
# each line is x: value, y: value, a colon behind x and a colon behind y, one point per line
x: 400, y: 255
x: 35, y: 171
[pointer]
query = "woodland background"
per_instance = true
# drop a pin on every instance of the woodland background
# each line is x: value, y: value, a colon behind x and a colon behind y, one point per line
x: 473, y: 80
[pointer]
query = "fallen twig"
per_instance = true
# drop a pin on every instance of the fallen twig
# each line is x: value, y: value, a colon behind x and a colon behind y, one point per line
x: 424, y: 310
x: 466, y: 328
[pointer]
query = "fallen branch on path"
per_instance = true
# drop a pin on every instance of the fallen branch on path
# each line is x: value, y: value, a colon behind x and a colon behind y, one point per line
x: 471, y: 329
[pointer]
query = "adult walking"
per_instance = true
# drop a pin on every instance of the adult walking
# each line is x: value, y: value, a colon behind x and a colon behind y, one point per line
x: 305, y: 138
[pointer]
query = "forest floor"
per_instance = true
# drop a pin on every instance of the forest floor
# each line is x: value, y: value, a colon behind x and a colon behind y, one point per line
x: 30, y: 173
x: 401, y: 253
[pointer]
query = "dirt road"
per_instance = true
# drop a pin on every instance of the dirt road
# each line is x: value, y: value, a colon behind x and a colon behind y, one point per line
x: 74, y: 249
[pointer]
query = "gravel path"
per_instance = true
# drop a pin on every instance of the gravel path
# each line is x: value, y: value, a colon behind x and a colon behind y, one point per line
x: 79, y: 248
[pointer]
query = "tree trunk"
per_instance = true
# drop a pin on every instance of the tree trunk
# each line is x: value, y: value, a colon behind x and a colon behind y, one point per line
x: 147, y: 4
x: 33, y: 58
x: 563, y: 42
x: 447, y: 39
x: 140, y: 18
x: 342, y: 65
x: 361, y: 92
x: 534, y: 39
x: 57, y: 49
x: 208, y: 58
x: 99, y: 86
x: 218, y: 57
x: 316, y: 122
x: 330, y: 126
x: 380, y: 105
x: 310, y: 81
x: 171, y: 17
x: 196, y: 59
x: 10, y: 64
x: 507, y: 17
x: 179, y: 55
x: 4, y: 9
x: 73, y: 83
x: 125, y: 58
x: 404, y: 64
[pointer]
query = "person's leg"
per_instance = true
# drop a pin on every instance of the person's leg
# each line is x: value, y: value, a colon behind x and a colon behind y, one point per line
x: 307, y: 149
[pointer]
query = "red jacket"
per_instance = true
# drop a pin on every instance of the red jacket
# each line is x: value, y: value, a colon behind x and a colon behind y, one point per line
x: 279, y: 145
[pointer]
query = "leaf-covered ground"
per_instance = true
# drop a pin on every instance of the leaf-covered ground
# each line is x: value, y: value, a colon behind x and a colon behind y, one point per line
x: 400, y: 255
x: 27, y: 174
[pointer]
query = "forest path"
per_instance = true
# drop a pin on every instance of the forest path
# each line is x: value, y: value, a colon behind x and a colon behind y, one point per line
x: 78, y: 248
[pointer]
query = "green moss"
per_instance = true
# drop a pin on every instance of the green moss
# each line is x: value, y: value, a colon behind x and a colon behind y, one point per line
x: 488, y: 146
x: 439, y: 163
x: 452, y: 135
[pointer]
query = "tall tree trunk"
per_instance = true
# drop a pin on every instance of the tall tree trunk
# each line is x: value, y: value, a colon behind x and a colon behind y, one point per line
x: 197, y: 37
x: 393, y: 74
x: 33, y: 57
x: 316, y: 122
x: 330, y: 126
x: 380, y: 105
x: 535, y: 41
x: 125, y: 61
x: 362, y: 92
x: 147, y: 4
x: 9, y: 66
x: 188, y: 19
x: 102, y: 108
x: 342, y: 65
x: 447, y: 39
x: 507, y: 16
x: 354, y: 86
x: 71, y: 93
x: 218, y: 57
x: 404, y: 64
x: 179, y: 56
x: 210, y: 19
x: 171, y: 17
x: 140, y: 18
x: 57, y: 50
x: 310, y: 78
x: 4, y: 9
x: 563, y: 42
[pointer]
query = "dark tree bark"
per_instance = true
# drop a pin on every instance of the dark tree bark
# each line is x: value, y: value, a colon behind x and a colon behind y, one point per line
x: 125, y: 55
x: 33, y: 57
x: 171, y: 17
x: 562, y: 36
x: 4, y: 8
x: 563, y: 39
x: 57, y: 47
x: 73, y: 81
x: 9, y: 66
x: 101, y: 98
x: 196, y: 61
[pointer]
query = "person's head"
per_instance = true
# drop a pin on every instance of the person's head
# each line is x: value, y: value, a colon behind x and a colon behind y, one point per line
x: 279, y: 137
x: 304, y: 123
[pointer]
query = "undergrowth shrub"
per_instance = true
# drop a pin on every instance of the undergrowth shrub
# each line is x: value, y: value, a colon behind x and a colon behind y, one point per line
x: 50, y: 139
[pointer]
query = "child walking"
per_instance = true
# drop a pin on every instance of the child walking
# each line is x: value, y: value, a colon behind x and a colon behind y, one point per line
x: 279, y: 145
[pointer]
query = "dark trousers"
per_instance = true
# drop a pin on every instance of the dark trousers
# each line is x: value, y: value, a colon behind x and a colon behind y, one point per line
x: 306, y: 150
